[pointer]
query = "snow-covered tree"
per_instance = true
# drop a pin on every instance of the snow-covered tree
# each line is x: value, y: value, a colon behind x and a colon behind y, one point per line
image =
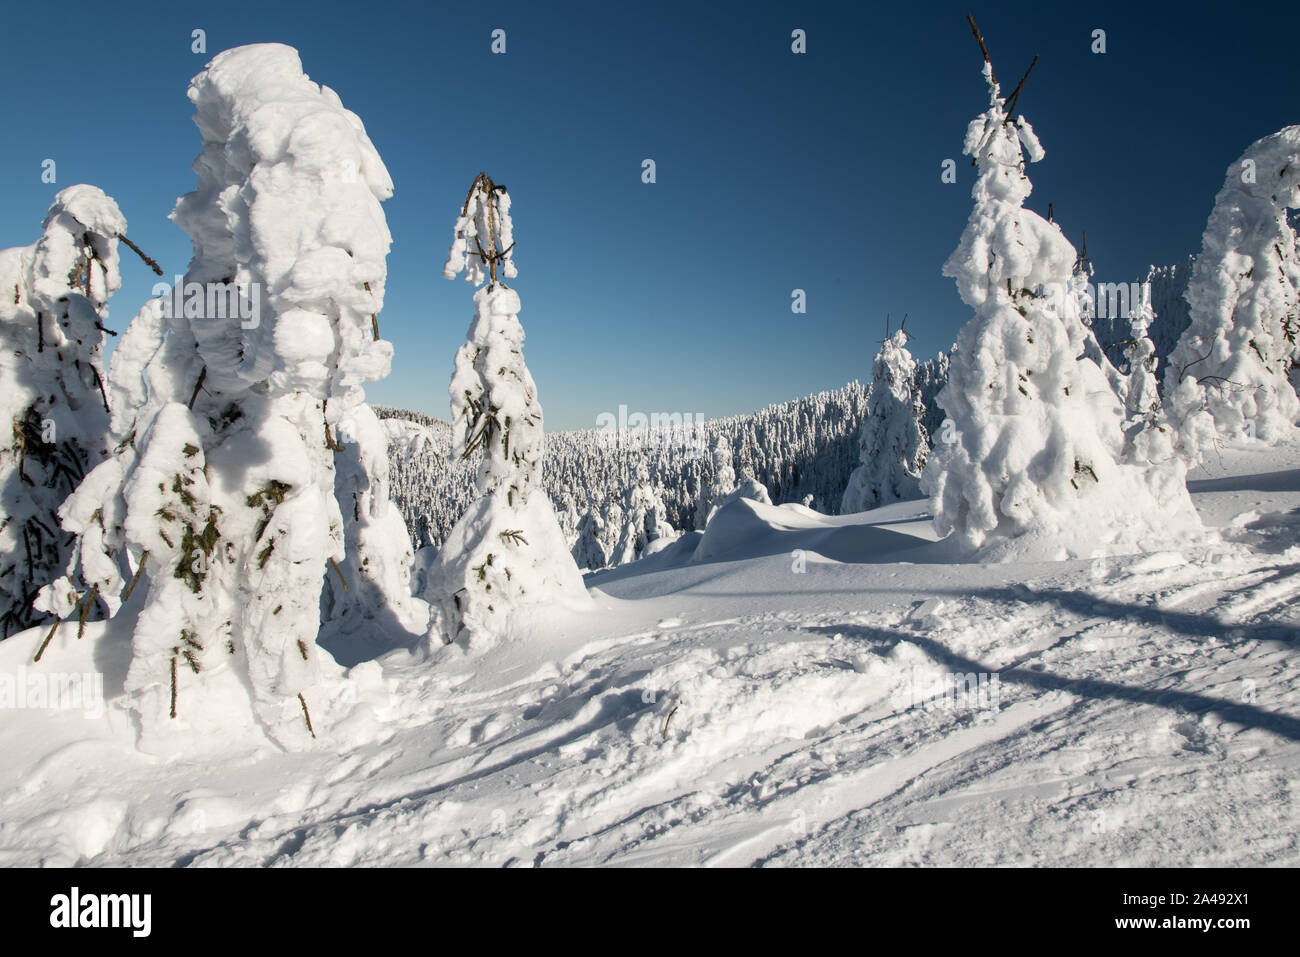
x: 893, y: 442
x: 931, y: 377
x: 587, y: 551
x: 377, y: 564
x: 723, y: 484
x: 507, y: 552
x: 569, y: 518
x: 1142, y: 398
x: 1080, y: 318
x: 646, y: 527
x: 1244, y: 297
x: 53, y: 301
x: 1035, y: 466
x: 223, y: 484
x: 610, y: 532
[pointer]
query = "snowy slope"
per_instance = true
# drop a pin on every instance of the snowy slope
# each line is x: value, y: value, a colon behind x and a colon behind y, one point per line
x: 723, y: 706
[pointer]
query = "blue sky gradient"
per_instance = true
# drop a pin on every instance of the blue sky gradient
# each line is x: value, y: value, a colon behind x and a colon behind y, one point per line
x: 775, y: 171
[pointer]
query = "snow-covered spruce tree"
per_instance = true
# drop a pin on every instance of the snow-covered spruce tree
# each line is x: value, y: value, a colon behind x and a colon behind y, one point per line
x: 587, y: 551
x: 931, y: 377
x: 893, y: 442
x: 1142, y: 399
x: 1035, y: 466
x: 723, y: 484
x: 610, y: 532
x: 53, y: 301
x: 1244, y: 297
x: 646, y: 528
x: 569, y: 519
x: 1079, y: 318
x: 748, y: 488
x: 223, y: 486
x: 1151, y: 438
x: 507, y: 552
x: 376, y: 569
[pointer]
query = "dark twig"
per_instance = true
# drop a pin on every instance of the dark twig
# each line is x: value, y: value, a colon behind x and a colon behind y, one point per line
x: 147, y: 261
x: 194, y: 396
x: 305, y: 713
x: 135, y: 578
x: 339, y: 572
x: 45, y: 644
x: 1009, y: 104
x: 86, y: 605
x: 983, y: 49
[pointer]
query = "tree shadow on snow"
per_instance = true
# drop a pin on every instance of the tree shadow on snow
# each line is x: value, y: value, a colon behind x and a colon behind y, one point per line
x: 1196, y: 703
x: 1287, y: 481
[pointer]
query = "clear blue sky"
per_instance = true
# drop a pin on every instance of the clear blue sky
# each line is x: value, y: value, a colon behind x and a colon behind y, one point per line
x: 775, y: 171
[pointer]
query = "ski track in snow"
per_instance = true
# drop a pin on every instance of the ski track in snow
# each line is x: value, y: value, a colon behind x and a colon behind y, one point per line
x: 1147, y: 716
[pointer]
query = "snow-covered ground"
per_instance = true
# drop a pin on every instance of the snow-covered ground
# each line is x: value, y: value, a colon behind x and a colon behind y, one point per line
x: 760, y: 705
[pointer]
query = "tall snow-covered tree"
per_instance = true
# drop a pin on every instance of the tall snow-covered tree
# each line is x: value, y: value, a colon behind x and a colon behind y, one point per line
x: 1243, y: 343
x: 722, y: 485
x: 893, y: 442
x: 507, y: 553
x: 223, y: 487
x: 53, y: 302
x: 1034, y: 468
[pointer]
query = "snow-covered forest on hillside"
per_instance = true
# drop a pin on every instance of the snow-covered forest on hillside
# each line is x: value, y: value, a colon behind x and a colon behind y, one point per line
x: 806, y: 447
x: 1029, y: 600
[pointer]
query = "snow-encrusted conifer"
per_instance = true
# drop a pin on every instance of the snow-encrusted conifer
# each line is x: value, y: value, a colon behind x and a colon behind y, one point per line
x: 587, y: 551
x: 723, y: 484
x: 1035, y: 466
x: 569, y: 519
x: 1244, y: 296
x: 893, y: 443
x: 53, y: 300
x: 507, y: 552
x: 611, y: 526
x: 1079, y: 317
x: 646, y: 528
x: 223, y: 486
x: 1143, y: 396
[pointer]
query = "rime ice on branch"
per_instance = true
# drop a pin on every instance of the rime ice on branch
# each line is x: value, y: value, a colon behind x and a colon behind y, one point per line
x: 507, y: 553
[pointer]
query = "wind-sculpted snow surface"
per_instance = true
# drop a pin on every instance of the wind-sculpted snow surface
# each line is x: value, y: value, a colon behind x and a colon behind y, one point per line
x: 880, y: 707
x: 1035, y: 462
x: 53, y: 302
x: 223, y: 488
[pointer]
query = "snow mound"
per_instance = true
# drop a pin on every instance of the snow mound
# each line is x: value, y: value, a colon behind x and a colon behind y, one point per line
x: 744, y: 528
